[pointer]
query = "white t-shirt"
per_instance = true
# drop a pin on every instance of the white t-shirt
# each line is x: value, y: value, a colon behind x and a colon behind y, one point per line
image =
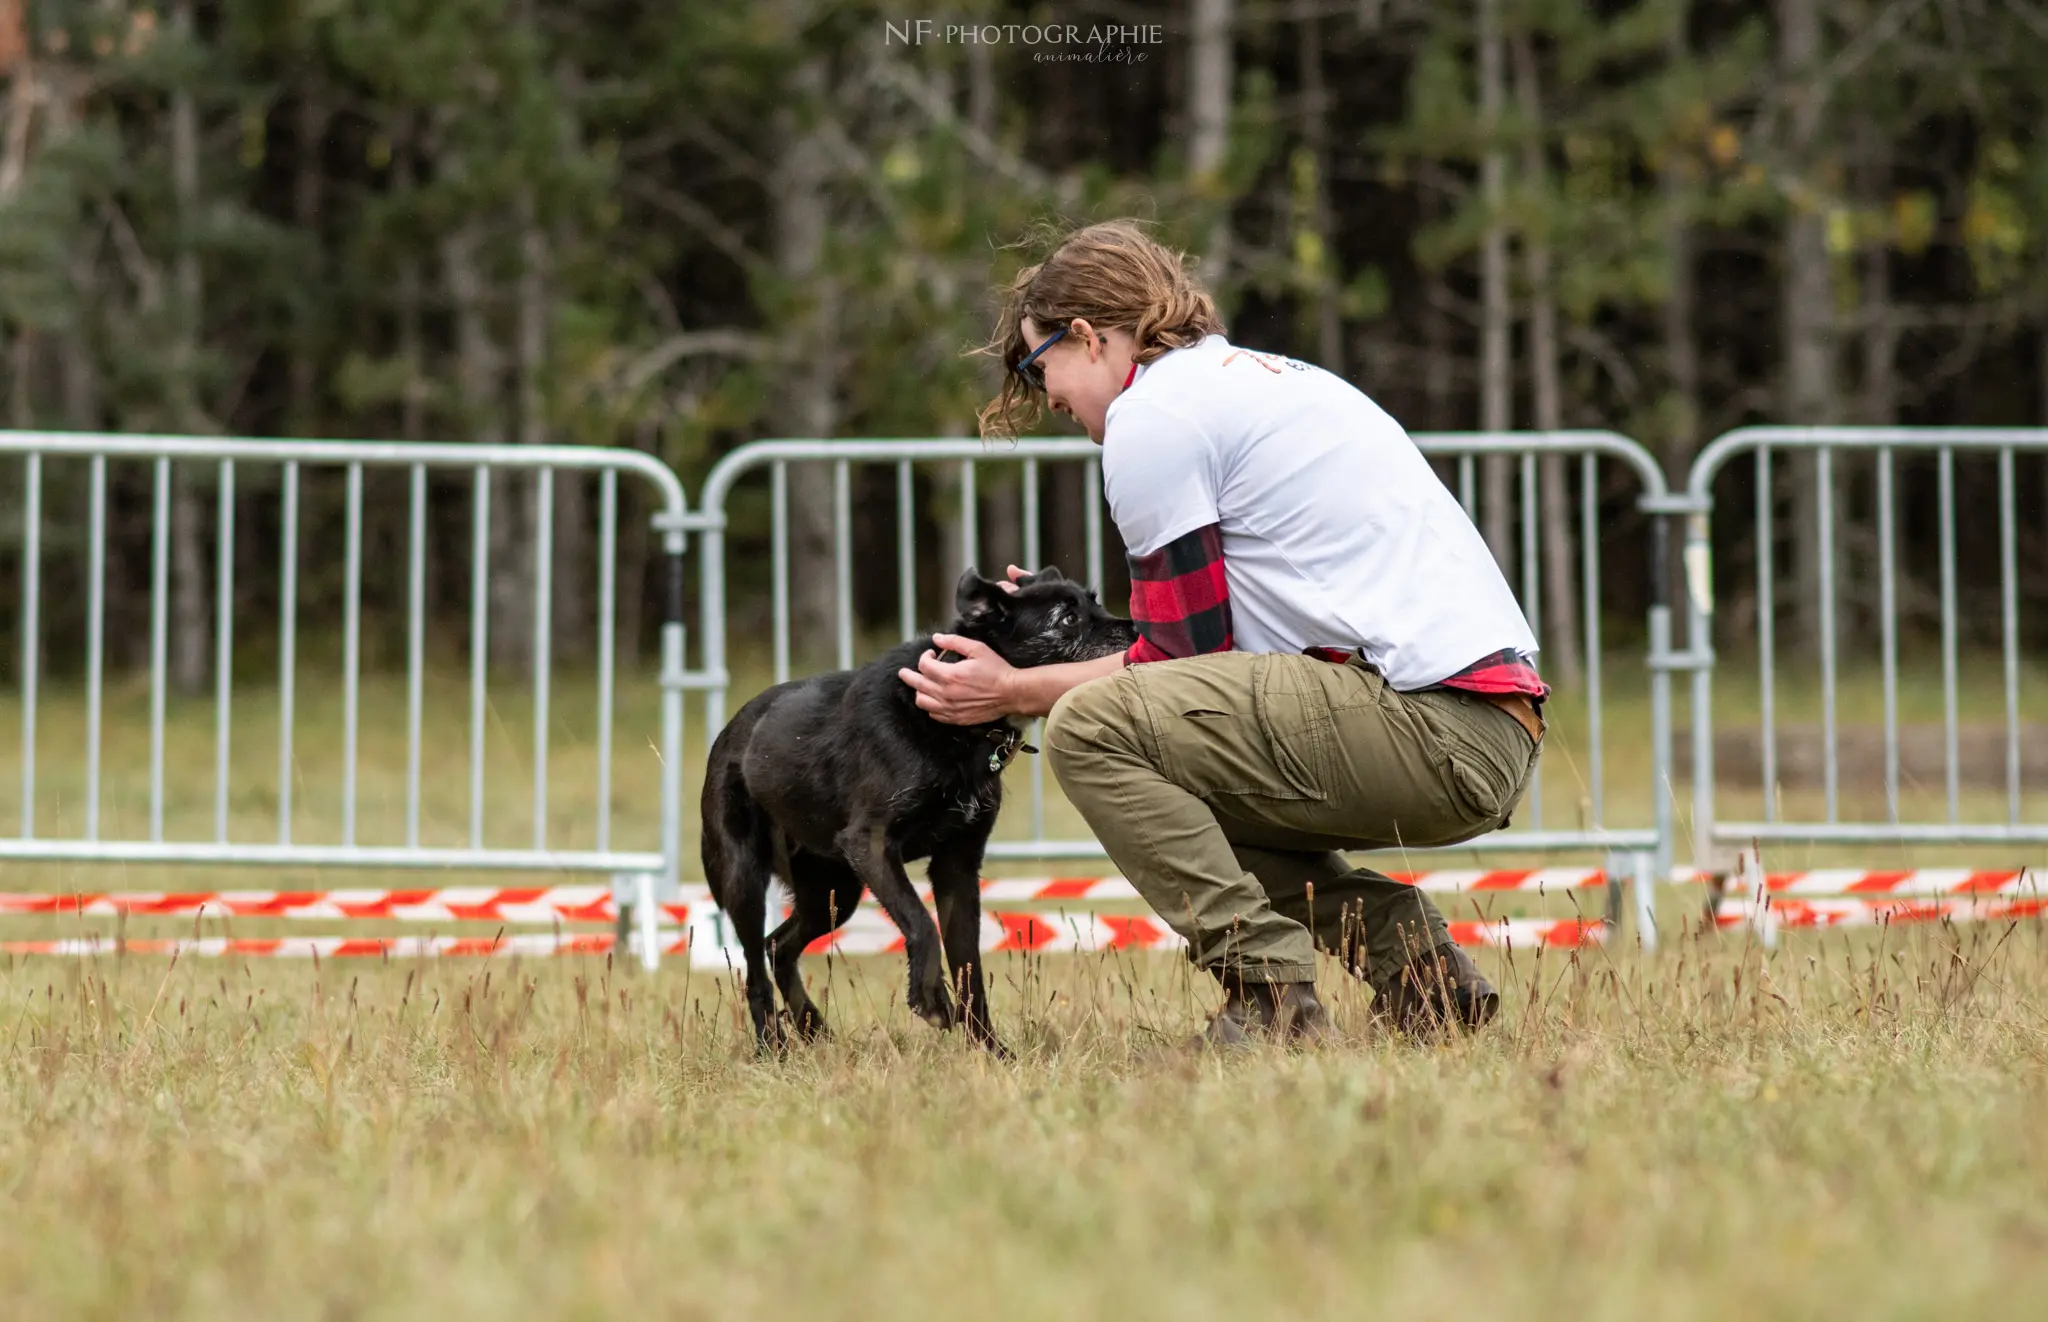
x: 1336, y: 532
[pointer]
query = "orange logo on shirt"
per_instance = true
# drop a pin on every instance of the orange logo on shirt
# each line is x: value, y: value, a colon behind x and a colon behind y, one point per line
x: 1261, y: 359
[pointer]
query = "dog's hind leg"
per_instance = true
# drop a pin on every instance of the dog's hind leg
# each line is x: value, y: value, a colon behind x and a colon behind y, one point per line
x: 956, y: 885
x: 826, y: 892
x: 736, y: 853
x: 749, y: 917
x: 866, y: 847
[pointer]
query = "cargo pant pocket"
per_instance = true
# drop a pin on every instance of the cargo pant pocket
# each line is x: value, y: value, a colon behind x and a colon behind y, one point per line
x: 1294, y: 716
x: 1484, y: 769
x: 1239, y: 725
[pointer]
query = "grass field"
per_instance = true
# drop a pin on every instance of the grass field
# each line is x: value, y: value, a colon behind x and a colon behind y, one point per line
x: 1850, y: 1125
x: 1849, y: 1128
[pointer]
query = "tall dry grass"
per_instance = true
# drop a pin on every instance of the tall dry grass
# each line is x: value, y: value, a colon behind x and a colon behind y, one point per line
x: 1848, y: 1126
x: 1845, y: 1127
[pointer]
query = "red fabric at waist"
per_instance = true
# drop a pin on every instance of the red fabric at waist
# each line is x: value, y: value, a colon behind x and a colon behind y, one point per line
x: 1501, y: 672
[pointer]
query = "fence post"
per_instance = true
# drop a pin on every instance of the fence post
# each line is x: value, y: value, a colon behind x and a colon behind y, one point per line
x: 674, y: 680
x: 1661, y: 662
x: 1698, y: 657
x: 1699, y: 598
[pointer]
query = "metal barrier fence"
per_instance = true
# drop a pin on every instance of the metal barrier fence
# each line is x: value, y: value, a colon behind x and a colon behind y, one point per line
x: 641, y: 874
x: 643, y: 878
x: 1714, y: 837
x: 1639, y: 852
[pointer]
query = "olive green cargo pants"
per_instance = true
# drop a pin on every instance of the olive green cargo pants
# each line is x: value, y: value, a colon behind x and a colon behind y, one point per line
x: 1223, y: 786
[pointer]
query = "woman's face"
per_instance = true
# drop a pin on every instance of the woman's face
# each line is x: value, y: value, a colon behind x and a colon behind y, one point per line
x: 1084, y: 371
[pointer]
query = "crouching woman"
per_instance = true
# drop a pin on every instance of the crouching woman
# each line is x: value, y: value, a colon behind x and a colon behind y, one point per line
x: 1329, y: 658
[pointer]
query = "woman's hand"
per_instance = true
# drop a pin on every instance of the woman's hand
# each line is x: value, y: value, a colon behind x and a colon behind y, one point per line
x: 974, y: 689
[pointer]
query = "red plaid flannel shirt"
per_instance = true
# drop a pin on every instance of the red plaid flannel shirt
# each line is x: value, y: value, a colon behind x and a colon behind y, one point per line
x: 1180, y: 602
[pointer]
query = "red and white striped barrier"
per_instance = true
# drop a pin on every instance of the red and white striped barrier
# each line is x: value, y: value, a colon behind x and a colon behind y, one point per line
x: 869, y: 932
x: 448, y: 904
x: 1444, y: 880
x: 1768, y: 903
x: 1913, y: 882
x: 593, y: 904
x: 1524, y: 933
x: 873, y: 934
x: 1036, y: 933
x: 1797, y: 913
x: 335, y: 947
x: 1026, y: 890
x: 1855, y: 897
x: 1916, y: 882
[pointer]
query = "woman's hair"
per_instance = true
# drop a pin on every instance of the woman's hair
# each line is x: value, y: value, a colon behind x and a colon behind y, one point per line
x: 1113, y: 275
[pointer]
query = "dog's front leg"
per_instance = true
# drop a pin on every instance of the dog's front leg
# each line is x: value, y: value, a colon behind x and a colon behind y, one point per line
x: 867, y: 850
x: 956, y: 885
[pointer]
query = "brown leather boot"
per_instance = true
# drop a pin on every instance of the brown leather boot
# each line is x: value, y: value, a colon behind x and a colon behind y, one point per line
x: 1439, y: 990
x: 1288, y: 1012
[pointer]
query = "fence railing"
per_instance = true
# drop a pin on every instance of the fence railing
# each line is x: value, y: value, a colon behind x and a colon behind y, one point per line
x: 1637, y: 851
x: 1830, y: 451
x: 220, y: 463
x: 644, y: 877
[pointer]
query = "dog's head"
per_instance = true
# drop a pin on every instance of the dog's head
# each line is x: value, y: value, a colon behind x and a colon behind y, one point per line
x: 1047, y: 620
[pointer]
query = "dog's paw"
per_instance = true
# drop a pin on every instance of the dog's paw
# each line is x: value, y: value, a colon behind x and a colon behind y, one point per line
x: 771, y: 1034
x: 934, y: 1006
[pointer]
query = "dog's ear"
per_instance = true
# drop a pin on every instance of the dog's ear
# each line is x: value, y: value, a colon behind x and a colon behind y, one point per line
x: 1049, y: 574
x: 979, y: 600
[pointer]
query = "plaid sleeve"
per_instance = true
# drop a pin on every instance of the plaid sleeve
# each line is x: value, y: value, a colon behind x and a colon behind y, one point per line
x: 1179, y: 599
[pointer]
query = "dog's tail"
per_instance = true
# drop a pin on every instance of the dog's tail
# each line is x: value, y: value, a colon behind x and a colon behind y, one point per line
x: 738, y: 845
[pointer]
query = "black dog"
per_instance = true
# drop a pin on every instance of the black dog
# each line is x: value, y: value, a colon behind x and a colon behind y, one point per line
x: 834, y: 782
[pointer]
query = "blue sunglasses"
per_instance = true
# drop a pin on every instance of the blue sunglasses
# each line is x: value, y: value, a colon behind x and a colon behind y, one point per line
x: 1033, y: 374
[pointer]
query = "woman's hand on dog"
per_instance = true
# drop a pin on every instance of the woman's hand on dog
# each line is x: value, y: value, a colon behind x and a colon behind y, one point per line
x: 974, y: 689
x: 968, y: 691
